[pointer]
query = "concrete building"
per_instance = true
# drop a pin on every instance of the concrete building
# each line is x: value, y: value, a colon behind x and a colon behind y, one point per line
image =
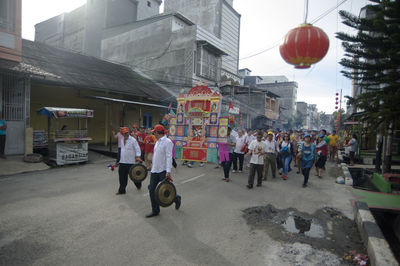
x: 281, y: 86
x: 81, y: 30
x: 312, y: 117
x: 175, y: 50
x: 301, y: 109
x: 14, y: 90
x: 255, y: 108
x: 219, y: 18
x: 10, y: 30
x: 169, y: 48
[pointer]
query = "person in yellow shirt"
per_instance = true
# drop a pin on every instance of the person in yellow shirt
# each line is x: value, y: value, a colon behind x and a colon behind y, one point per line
x: 333, y: 145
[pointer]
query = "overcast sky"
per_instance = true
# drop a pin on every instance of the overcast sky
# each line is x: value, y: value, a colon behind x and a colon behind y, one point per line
x: 264, y: 23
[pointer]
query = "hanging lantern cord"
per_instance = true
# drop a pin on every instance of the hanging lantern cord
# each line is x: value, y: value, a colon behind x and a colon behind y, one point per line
x: 305, y: 11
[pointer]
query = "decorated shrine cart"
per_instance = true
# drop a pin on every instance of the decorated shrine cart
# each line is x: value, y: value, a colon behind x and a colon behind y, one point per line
x: 198, y: 130
x: 67, y: 146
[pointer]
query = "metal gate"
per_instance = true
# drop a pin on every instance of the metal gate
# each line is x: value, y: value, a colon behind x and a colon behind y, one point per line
x: 13, y: 106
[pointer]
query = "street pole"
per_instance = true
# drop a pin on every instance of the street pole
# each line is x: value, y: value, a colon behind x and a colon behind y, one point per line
x: 339, y: 112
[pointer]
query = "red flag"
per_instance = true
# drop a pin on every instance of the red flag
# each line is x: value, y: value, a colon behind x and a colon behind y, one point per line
x: 230, y: 105
x: 170, y: 106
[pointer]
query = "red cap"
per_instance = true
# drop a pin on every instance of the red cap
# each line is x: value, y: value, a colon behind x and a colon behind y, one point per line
x: 165, y: 132
x: 135, y: 126
x: 124, y: 130
x: 158, y: 128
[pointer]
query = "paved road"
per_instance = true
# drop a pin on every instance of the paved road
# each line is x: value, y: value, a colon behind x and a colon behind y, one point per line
x: 71, y: 216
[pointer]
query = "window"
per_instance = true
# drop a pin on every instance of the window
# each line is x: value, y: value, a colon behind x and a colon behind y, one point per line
x: 7, y: 15
x: 206, y: 64
x: 148, y: 3
x: 194, y: 62
x: 12, y: 98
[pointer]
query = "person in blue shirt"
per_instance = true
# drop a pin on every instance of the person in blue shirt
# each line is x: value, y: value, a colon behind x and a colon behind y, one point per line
x: 3, y: 127
x: 307, y: 155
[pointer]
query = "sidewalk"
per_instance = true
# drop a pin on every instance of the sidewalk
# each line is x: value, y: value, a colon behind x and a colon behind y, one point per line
x: 16, y: 165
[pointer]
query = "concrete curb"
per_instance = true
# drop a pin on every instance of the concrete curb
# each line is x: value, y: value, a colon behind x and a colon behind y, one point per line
x: 378, y: 249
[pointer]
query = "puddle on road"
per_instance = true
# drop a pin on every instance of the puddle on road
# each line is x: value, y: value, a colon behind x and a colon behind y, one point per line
x: 301, y: 225
x: 326, y: 229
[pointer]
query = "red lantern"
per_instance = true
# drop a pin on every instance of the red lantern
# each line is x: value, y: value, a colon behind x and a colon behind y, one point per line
x: 337, y: 98
x: 337, y: 103
x: 336, y: 107
x: 337, y: 93
x: 304, y: 45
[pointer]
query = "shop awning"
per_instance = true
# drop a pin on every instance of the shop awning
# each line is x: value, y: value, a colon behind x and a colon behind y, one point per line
x: 60, y: 112
x: 126, y: 101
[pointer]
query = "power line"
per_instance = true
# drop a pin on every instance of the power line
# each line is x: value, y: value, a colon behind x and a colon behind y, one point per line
x: 312, y: 22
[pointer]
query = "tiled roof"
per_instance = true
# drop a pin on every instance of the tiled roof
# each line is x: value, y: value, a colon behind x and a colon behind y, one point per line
x: 47, y: 64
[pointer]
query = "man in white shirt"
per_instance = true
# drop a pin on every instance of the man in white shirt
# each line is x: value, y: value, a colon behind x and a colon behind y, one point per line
x: 161, y: 168
x: 270, y: 157
x: 249, y: 138
x: 257, y: 150
x: 238, y: 153
x: 130, y: 152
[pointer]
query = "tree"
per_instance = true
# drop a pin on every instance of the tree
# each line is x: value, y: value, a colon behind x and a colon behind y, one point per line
x: 372, y: 61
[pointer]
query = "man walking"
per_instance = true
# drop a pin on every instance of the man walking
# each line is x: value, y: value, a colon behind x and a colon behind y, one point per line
x: 3, y: 127
x: 333, y: 143
x: 161, y: 168
x: 227, y: 161
x: 257, y: 150
x: 270, y: 157
x: 130, y: 152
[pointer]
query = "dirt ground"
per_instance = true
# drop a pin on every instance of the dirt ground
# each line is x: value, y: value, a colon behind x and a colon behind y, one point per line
x: 325, y: 236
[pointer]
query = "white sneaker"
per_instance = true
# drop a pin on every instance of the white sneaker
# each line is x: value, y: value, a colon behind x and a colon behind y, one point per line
x: 233, y: 171
x: 240, y: 171
x: 201, y: 164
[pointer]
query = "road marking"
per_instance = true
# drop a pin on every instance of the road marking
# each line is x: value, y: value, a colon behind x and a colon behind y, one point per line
x: 193, y: 178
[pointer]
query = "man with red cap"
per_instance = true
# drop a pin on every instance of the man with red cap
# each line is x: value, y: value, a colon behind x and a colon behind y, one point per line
x: 130, y: 152
x: 140, y: 137
x: 161, y: 168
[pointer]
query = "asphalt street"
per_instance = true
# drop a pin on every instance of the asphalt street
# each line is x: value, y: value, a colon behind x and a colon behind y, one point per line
x: 71, y: 216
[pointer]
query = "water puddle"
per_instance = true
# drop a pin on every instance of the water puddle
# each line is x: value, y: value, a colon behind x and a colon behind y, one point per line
x: 326, y: 229
x: 300, y: 225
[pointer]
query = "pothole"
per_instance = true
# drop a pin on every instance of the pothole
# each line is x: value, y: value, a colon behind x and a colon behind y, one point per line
x: 327, y: 229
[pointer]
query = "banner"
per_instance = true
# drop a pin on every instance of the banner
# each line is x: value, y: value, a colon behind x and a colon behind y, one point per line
x: 68, y: 153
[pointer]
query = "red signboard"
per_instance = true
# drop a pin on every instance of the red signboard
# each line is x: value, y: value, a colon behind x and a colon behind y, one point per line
x: 194, y: 154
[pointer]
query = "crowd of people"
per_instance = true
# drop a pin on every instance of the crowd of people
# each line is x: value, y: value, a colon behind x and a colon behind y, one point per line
x: 276, y: 150
x: 259, y: 151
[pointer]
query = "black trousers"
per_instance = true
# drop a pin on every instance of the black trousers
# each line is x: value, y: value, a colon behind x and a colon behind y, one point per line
x: 306, y: 174
x: 2, y: 144
x: 227, y: 165
x: 253, y: 169
x: 156, y: 178
x: 237, y: 156
x: 123, y: 172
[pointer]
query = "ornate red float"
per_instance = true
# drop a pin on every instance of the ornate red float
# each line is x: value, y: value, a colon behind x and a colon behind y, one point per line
x: 304, y: 45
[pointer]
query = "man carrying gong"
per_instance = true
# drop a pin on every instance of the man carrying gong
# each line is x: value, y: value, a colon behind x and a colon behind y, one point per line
x: 130, y: 152
x: 161, y: 168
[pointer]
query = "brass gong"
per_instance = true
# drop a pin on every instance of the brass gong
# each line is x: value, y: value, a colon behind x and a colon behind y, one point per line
x: 165, y: 193
x: 138, y: 173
